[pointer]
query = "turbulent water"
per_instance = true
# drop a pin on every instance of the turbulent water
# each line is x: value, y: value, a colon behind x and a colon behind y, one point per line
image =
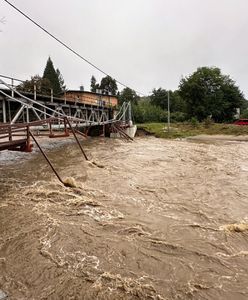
x: 152, y: 219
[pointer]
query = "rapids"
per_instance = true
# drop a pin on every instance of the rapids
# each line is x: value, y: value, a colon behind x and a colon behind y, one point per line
x: 153, y: 219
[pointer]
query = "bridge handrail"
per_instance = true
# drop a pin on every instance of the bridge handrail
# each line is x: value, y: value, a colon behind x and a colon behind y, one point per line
x: 28, y: 99
x: 124, y: 107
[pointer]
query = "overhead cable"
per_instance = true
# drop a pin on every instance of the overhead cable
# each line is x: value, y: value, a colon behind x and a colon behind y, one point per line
x: 66, y: 46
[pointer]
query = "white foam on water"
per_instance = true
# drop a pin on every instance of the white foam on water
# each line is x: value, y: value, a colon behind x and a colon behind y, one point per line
x: 99, y: 214
x: 10, y: 157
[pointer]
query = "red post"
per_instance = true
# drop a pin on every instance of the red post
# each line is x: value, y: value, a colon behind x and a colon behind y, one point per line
x: 50, y: 129
x: 10, y: 133
x: 29, y: 145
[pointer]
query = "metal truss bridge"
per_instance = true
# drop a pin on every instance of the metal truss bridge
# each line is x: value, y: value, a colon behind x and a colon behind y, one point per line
x: 20, y: 112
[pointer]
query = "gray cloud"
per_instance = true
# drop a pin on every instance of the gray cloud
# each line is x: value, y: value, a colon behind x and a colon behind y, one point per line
x: 143, y: 43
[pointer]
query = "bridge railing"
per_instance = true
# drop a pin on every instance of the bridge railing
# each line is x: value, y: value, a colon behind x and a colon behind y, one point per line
x: 40, y: 111
x: 17, y: 136
x: 14, y: 137
x: 101, y: 100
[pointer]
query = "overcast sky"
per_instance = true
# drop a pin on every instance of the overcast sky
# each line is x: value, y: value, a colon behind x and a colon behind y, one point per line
x: 145, y: 44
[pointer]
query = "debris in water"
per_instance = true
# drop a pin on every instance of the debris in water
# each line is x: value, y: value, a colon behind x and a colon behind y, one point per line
x: 235, y: 227
x: 3, y: 296
x: 93, y: 163
x: 70, y: 182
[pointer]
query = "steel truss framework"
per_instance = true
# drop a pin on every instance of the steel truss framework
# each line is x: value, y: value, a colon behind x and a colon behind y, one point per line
x: 17, y: 108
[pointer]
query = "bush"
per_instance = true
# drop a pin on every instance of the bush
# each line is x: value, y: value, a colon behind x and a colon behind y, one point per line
x: 208, y: 122
x: 194, y: 122
x: 244, y: 114
x: 145, y: 112
x: 178, y: 116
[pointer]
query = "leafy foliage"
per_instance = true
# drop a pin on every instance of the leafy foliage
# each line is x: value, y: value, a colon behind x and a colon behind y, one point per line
x: 61, y: 80
x: 208, y: 122
x: 51, y: 80
x: 178, y: 116
x: 108, y: 84
x: 244, y: 114
x: 207, y: 92
x: 127, y: 95
x: 93, y: 84
x: 43, y: 85
x: 194, y: 122
x: 177, y: 103
x: 145, y: 111
x: 159, y: 98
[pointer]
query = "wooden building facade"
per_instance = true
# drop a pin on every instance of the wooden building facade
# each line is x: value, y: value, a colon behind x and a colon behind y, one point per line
x: 90, y: 98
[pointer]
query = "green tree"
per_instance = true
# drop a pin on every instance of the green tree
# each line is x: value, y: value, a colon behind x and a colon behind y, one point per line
x: 61, y: 80
x: 52, y: 76
x: 159, y: 98
x: 108, y: 84
x: 127, y: 95
x: 207, y: 92
x: 145, y: 111
x: 43, y: 85
x: 244, y: 114
x: 177, y: 103
x: 93, y: 84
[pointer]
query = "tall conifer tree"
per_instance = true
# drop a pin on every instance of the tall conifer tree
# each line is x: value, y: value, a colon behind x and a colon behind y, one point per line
x: 61, y: 80
x: 93, y: 84
x: 52, y: 76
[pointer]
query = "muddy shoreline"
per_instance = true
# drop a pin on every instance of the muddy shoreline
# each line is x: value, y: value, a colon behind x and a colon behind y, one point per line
x: 219, y: 137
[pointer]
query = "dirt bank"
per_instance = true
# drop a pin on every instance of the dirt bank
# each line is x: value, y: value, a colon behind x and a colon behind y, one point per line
x: 219, y: 137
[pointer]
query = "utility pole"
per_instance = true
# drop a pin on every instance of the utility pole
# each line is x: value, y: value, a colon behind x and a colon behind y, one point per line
x: 168, y: 111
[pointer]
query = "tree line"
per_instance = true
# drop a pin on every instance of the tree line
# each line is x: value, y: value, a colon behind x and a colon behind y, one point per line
x: 206, y: 93
x: 53, y: 80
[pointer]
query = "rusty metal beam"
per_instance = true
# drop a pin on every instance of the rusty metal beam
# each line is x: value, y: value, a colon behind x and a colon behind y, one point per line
x: 75, y: 136
x: 46, y: 157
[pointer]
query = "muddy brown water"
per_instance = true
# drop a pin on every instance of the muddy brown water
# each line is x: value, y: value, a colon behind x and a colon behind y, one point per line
x: 149, y: 225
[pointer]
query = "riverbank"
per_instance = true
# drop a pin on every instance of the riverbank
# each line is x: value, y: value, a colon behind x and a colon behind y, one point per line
x: 183, y: 130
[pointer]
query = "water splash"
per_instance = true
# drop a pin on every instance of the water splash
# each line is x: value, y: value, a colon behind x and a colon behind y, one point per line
x: 235, y: 227
x: 70, y: 182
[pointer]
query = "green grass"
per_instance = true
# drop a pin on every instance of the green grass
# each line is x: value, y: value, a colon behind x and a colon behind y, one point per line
x: 182, y: 130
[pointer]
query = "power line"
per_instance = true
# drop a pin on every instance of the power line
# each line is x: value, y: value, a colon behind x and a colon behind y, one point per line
x: 66, y: 46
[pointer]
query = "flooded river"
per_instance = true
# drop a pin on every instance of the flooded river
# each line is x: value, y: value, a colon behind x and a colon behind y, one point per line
x: 154, y: 222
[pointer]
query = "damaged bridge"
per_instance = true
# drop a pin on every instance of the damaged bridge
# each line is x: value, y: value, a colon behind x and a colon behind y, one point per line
x: 21, y: 112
